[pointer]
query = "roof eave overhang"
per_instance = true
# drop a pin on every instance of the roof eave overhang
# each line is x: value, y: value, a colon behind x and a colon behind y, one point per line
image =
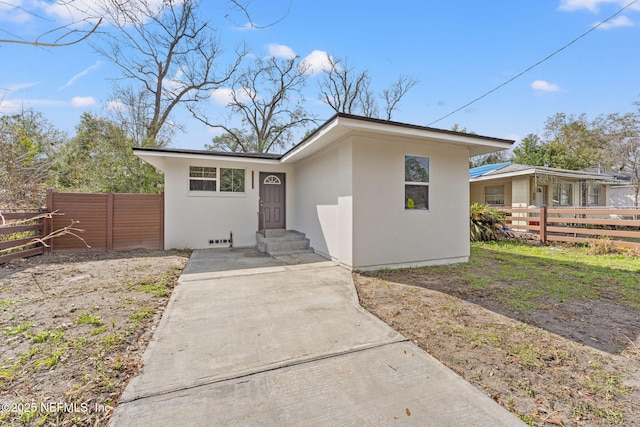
x: 342, y: 125
x: 156, y: 158
x: 560, y: 174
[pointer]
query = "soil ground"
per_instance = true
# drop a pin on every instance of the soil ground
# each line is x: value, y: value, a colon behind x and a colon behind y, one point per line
x: 73, y: 328
x: 556, y: 359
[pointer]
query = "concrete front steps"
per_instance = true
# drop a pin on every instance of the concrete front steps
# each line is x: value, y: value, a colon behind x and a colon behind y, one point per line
x: 283, y: 242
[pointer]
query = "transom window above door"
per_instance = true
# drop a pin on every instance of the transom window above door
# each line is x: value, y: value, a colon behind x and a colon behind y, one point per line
x: 273, y: 180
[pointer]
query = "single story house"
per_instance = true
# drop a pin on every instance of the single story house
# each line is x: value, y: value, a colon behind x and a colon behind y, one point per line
x: 367, y: 193
x: 514, y: 185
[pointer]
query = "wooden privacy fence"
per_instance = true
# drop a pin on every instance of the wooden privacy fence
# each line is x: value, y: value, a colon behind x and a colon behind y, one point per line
x: 111, y: 221
x: 16, y: 232
x: 621, y: 225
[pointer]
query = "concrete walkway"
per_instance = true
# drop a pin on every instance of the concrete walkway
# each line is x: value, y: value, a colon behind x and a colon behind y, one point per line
x: 249, y: 339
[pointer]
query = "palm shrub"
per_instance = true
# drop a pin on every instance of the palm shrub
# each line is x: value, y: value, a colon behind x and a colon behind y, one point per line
x: 486, y: 223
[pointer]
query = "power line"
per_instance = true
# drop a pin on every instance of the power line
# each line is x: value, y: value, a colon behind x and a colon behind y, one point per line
x: 595, y: 27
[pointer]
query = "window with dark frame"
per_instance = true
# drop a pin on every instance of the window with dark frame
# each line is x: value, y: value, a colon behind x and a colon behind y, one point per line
x: 416, y: 182
x: 563, y: 194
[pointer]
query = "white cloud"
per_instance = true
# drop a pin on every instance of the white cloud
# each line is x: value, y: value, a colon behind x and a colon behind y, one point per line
x: 592, y: 5
x: 545, y: 86
x: 224, y: 96
x: 280, y: 51
x: 7, y: 106
x: 620, y: 21
x: 115, y: 105
x: 83, y: 101
x: 82, y: 73
x: 316, y: 62
x: 16, y: 87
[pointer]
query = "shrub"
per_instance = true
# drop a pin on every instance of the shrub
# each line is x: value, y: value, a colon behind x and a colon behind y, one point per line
x: 601, y: 246
x: 486, y: 223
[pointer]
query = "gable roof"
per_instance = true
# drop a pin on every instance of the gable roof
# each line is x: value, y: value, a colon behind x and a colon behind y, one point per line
x: 507, y: 170
x: 334, y: 129
x: 485, y: 169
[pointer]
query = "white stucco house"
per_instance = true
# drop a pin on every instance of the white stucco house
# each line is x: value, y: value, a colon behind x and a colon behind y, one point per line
x: 367, y: 193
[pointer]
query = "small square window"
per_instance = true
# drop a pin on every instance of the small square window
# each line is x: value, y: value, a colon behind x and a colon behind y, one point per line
x: 232, y: 180
x: 416, y: 196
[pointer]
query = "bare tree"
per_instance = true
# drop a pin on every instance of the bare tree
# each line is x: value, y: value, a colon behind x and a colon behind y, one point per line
x: 398, y: 90
x: 623, y: 133
x: 346, y: 90
x: 63, y: 35
x: 169, y: 51
x: 267, y: 97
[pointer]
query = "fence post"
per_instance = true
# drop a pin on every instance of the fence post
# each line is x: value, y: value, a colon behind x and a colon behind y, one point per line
x: 162, y: 220
x: 48, y: 222
x: 543, y: 224
x: 109, y: 222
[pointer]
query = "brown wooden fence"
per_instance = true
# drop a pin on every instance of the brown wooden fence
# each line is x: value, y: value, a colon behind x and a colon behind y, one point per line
x: 621, y: 225
x: 111, y: 221
x: 13, y: 229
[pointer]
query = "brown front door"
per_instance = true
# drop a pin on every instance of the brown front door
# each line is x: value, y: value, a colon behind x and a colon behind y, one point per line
x: 272, y: 196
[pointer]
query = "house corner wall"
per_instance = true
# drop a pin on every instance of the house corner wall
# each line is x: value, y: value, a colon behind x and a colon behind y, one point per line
x: 324, y: 201
x: 388, y: 235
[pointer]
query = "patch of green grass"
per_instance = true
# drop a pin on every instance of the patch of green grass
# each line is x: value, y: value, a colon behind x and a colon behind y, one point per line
x: 98, y: 330
x: 51, y: 357
x: 527, y: 355
x: 478, y: 337
x: 156, y: 287
x: 562, y: 274
x: 587, y: 409
x: 8, y: 371
x: 142, y: 313
x: 4, y: 304
x: 606, y: 384
x: 111, y: 341
x: 87, y: 318
x: 18, y: 329
x: 44, y: 336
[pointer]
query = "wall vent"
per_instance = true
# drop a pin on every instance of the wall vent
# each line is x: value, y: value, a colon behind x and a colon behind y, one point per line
x: 228, y: 241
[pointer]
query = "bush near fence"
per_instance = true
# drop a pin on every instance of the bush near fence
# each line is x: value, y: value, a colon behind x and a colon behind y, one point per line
x: 17, y: 230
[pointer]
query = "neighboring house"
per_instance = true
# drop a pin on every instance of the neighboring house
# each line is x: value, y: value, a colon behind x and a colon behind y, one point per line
x: 368, y: 193
x: 513, y: 185
x: 625, y: 192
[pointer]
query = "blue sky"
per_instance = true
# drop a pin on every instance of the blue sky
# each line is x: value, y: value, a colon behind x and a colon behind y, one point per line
x: 457, y: 51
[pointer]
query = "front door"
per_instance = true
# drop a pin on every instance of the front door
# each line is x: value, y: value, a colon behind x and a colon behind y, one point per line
x: 272, y: 197
x: 540, y: 197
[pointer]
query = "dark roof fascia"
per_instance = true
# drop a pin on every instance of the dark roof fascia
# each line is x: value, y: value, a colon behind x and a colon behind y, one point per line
x: 273, y: 156
x: 420, y: 127
x: 397, y: 124
x: 266, y: 156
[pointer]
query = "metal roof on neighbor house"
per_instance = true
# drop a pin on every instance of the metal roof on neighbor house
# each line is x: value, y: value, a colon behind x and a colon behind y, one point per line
x: 485, y: 169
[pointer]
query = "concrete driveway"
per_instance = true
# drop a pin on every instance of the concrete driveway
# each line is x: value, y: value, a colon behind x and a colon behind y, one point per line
x: 248, y: 339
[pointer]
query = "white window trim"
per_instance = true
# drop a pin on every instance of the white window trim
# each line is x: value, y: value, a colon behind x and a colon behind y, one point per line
x: 425, y: 184
x: 217, y: 192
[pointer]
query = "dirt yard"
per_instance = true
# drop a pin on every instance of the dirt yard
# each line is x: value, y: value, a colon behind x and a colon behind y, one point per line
x: 556, y: 350
x: 73, y: 328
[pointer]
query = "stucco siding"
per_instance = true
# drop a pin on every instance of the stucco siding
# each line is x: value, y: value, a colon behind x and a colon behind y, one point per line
x: 323, y: 201
x: 387, y: 234
x: 193, y: 218
x: 477, y: 191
